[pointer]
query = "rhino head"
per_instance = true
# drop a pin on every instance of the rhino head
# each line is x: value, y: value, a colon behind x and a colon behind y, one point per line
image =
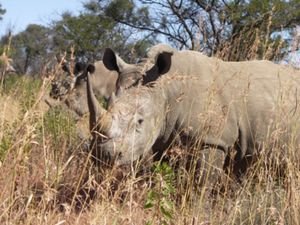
x: 66, y: 78
x: 133, y: 122
x: 129, y: 75
x: 105, y: 82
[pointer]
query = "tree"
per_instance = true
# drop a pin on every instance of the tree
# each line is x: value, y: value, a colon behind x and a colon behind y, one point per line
x: 89, y: 33
x: 32, y: 49
x: 2, y: 11
x: 231, y: 29
x: 92, y: 31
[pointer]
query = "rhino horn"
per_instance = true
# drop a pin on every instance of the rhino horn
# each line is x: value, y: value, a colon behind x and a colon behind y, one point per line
x: 97, y: 112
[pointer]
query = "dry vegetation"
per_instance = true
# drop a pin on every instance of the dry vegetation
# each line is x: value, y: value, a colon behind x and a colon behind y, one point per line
x: 47, y: 177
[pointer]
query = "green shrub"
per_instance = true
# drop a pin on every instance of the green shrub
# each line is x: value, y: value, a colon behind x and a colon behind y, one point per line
x: 5, y: 144
x: 23, y: 88
x: 160, y: 197
x: 10, y: 83
x: 59, y: 125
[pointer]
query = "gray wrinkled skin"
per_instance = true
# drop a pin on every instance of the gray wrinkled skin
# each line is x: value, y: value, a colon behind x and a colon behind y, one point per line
x: 70, y: 84
x: 246, y: 106
x: 62, y: 86
x: 134, y: 127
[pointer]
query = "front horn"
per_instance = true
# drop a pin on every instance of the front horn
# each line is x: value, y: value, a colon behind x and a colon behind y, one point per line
x: 97, y: 112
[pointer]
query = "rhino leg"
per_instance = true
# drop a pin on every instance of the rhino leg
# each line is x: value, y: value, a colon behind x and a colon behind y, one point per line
x: 209, y: 168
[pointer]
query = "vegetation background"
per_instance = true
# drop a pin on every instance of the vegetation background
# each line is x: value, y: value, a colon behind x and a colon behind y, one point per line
x: 46, y: 176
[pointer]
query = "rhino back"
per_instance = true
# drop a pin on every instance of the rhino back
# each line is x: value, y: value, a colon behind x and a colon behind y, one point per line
x: 232, y: 103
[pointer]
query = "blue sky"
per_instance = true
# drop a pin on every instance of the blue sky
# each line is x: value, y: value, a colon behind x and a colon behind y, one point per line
x: 20, y: 13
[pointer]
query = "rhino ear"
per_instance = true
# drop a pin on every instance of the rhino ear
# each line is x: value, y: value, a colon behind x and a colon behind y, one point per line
x: 110, y: 60
x: 163, y: 62
x: 82, y: 73
x: 91, y: 68
x: 161, y: 66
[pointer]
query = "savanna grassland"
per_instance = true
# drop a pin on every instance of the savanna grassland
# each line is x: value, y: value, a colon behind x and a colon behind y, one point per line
x: 47, y: 177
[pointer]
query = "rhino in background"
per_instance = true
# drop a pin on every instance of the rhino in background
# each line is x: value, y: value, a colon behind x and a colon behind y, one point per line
x: 213, y: 106
x: 111, y: 75
x: 108, y: 77
x: 68, y: 90
x: 70, y: 85
x: 5, y: 61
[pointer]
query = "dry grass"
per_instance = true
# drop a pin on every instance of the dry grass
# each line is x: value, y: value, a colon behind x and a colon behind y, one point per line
x: 47, y: 178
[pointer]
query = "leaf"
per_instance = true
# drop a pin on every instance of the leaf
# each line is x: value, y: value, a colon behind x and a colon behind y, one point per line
x: 165, y: 212
x: 149, y: 223
x: 148, y: 205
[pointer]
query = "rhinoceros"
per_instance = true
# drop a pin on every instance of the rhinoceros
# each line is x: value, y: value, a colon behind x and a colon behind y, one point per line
x: 70, y: 87
x: 213, y: 106
x: 111, y: 75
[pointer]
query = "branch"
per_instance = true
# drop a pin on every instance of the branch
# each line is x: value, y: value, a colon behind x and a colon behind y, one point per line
x: 153, y: 29
x: 181, y: 19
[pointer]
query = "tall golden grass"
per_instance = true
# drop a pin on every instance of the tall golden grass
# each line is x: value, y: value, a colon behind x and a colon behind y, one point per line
x: 47, y: 177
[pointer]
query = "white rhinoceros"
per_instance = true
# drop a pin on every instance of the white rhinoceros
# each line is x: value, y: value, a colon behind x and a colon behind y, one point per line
x: 212, y: 105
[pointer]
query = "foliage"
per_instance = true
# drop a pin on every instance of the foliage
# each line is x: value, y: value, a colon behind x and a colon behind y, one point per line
x: 5, y: 143
x: 86, y: 32
x: 34, y: 49
x: 31, y: 49
x: 92, y: 31
x: 159, y: 198
x: 10, y: 84
x: 233, y: 30
x: 2, y: 11
x: 24, y: 88
x: 59, y: 125
x: 36, y: 146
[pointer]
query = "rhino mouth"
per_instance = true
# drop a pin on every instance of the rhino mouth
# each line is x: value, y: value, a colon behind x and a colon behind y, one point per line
x: 101, y: 151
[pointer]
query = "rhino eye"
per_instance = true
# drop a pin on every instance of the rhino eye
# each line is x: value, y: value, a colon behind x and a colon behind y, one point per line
x: 140, y: 121
x: 67, y: 85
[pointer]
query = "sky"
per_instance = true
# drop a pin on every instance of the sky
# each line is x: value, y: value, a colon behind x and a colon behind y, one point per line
x: 20, y: 13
